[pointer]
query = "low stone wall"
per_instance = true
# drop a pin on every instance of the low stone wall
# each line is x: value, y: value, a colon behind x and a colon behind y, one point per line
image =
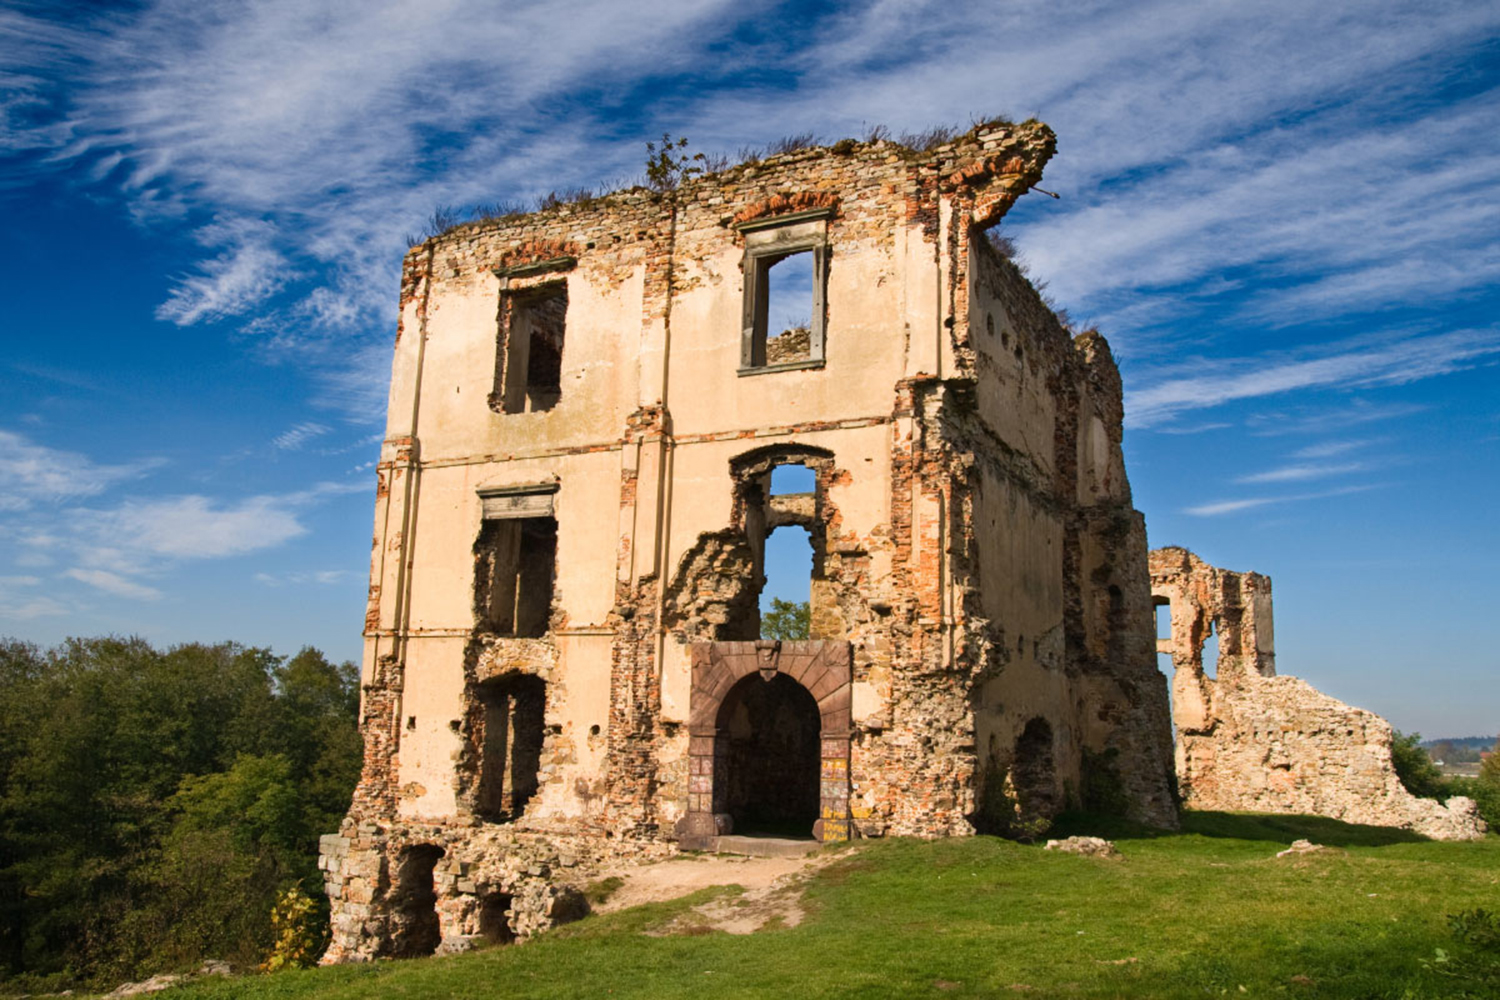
x: 487, y: 883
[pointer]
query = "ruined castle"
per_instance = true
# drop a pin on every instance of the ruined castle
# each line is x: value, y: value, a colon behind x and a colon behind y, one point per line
x: 563, y: 657
x: 590, y: 405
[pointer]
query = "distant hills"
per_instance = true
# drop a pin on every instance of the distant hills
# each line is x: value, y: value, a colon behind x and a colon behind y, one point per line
x: 1477, y: 742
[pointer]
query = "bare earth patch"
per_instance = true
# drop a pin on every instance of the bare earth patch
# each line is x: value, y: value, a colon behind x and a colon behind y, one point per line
x: 772, y: 895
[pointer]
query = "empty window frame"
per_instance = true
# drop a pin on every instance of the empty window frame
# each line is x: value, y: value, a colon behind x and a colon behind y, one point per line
x: 515, y: 563
x: 786, y: 278
x: 528, y: 358
x: 515, y: 729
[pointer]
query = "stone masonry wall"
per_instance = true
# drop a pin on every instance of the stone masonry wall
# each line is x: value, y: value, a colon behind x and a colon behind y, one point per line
x: 894, y: 438
x: 1250, y: 740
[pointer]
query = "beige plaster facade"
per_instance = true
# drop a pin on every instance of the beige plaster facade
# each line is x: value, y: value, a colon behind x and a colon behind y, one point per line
x: 563, y: 661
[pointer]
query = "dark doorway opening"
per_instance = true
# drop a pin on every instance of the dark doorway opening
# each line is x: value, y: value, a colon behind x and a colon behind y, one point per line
x: 415, y: 931
x: 771, y: 731
x: 1033, y: 771
x: 515, y: 709
x: 494, y: 925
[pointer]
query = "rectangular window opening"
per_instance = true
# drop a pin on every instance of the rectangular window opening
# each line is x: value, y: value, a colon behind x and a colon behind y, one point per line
x: 789, y: 307
x: 785, y: 282
x: 528, y: 370
x: 1163, y: 620
x: 515, y: 565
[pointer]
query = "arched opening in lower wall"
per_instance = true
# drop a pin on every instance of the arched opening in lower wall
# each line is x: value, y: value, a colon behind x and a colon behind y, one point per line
x: 415, y: 931
x: 1034, y: 772
x: 769, y: 731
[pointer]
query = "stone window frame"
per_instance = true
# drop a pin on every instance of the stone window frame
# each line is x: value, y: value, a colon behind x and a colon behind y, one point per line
x: 768, y: 241
x: 519, y: 280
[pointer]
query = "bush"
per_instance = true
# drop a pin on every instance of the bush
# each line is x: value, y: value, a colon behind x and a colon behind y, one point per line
x: 298, y: 930
x: 1415, y: 768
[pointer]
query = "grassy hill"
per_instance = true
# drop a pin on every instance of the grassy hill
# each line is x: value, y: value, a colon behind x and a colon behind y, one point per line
x: 1208, y: 912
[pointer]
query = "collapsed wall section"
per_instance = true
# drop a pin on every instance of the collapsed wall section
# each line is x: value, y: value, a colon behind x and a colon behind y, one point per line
x: 1250, y: 740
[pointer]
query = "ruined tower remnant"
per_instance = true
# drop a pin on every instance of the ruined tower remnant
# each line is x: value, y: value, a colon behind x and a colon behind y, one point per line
x: 1248, y: 739
x: 563, y: 655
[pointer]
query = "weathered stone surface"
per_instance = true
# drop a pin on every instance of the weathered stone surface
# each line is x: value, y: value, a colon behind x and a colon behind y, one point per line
x: 1250, y: 740
x: 1093, y: 847
x: 562, y: 661
x: 1301, y: 847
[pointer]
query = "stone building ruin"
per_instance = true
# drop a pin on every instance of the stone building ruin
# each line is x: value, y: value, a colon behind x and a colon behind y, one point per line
x: 563, y: 658
x: 1248, y: 739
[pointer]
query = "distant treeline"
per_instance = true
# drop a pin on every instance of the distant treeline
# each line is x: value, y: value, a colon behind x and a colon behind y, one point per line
x: 1459, y: 749
x: 154, y: 804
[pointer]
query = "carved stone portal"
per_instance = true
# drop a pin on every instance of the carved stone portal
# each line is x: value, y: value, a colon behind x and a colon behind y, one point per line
x: 822, y: 668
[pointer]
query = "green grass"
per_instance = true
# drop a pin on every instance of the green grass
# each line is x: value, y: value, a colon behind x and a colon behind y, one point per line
x: 1207, y: 912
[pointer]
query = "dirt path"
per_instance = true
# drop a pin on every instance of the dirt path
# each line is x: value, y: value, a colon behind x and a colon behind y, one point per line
x: 772, y: 896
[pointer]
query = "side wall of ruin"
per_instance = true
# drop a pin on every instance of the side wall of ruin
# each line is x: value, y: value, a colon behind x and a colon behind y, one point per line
x: 1250, y: 740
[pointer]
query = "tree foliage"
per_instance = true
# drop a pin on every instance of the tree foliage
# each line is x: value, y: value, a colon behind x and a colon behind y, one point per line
x: 669, y: 164
x: 1421, y: 776
x: 786, y: 620
x: 154, y: 802
x: 1415, y: 768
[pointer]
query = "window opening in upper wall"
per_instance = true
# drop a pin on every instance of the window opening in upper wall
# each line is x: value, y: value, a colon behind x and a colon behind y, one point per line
x: 1211, y: 653
x: 789, y: 307
x: 515, y: 564
x: 786, y: 275
x: 1163, y: 619
x: 515, y: 709
x: 528, y: 368
x: 792, y: 479
x: 785, y: 600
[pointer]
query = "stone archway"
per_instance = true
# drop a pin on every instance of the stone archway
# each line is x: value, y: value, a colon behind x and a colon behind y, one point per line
x: 823, y: 668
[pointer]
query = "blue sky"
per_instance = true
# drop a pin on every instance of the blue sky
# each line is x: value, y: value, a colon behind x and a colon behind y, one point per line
x: 1283, y: 215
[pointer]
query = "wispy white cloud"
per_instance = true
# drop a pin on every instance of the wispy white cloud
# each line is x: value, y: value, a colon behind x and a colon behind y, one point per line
x: 32, y: 473
x: 241, y: 276
x: 197, y: 527
x: 323, y: 577
x: 114, y: 583
x: 1389, y: 363
x: 1299, y: 473
x: 63, y: 513
x: 295, y: 437
x: 1329, y: 449
x: 19, y: 600
x: 1329, y: 420
x: 1221, y: 507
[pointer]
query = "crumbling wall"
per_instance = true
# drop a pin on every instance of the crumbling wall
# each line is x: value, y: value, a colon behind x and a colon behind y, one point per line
x: 933, y: 395
x: 1248, y: 739
x: 488, y: 884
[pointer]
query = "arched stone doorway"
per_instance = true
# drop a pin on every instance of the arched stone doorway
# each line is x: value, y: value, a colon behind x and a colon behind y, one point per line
x: 731, y: 724
x: 772, y: 763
